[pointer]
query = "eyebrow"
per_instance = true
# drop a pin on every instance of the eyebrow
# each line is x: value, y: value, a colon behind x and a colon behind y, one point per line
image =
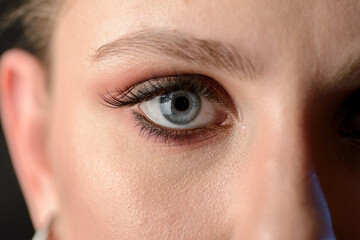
x: 205, y: 53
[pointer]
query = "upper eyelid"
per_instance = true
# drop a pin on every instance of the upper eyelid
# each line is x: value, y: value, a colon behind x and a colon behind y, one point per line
x: 161, y: 85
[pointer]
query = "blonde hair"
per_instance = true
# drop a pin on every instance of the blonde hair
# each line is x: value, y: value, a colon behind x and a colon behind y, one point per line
x: 37, y: 19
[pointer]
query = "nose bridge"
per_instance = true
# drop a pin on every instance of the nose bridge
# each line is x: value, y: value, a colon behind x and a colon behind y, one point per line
x: 285, y: 137
x: 285, y: 157
x: 282, y: 206
x: 280, y: 186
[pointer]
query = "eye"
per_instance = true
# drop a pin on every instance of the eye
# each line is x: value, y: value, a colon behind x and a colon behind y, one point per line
x: 349, y: 116
x: 351, y: 125
x: 348, y: 130
x: 180, y: 110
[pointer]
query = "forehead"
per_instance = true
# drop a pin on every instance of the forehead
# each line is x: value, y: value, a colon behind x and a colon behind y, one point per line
x: 324, y: 34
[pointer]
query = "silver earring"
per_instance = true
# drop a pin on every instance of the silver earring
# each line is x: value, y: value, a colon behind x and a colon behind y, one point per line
x: 45, y: 233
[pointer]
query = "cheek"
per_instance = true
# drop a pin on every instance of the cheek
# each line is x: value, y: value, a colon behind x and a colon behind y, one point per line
x: 113, y: 184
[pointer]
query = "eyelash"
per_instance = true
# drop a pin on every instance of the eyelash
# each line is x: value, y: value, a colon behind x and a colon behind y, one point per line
x: 149, y: 89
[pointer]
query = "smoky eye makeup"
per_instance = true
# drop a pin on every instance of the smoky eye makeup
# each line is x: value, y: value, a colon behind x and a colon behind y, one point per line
x: 177, y: 109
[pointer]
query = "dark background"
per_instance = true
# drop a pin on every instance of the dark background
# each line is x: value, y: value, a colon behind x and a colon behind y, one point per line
x: 14, y: 218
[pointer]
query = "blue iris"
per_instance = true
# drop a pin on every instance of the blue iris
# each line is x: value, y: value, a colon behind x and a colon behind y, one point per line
x: 180, y: 107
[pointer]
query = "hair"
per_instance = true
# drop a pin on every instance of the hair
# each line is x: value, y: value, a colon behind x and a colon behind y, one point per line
x: 36, y: 20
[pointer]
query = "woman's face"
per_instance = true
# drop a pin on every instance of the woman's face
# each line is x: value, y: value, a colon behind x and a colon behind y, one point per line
x: 230, y: 162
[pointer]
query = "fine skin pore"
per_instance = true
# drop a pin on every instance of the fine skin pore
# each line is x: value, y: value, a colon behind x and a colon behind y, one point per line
x: 86, y: 163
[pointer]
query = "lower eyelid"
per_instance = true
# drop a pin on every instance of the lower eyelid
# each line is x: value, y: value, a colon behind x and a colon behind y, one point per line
x: 173, y: 136
x: 179, y: 137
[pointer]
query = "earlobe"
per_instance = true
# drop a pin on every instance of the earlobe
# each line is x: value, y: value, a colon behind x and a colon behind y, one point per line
x: 24, y: 113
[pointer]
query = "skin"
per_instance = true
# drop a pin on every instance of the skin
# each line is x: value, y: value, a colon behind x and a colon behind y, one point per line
x: 85, y: 163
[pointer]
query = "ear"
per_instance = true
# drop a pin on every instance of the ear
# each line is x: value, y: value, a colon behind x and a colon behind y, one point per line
x: 24, y: 114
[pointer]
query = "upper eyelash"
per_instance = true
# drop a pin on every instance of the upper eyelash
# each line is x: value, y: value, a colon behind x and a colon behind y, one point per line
x: 152, y: 88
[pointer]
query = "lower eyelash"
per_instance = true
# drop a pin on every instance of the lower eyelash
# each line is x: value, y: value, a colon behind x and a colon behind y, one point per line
x: 170, y: 136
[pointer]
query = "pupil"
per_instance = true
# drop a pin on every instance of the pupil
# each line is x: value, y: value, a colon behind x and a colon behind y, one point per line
x: 182, y: 104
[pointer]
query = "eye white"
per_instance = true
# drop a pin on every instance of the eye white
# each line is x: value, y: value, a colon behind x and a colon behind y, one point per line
x: 206, y: 116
